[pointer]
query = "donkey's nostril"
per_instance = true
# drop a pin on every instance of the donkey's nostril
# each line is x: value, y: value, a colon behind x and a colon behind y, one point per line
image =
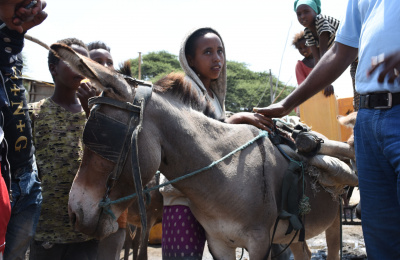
x: 72, y: 218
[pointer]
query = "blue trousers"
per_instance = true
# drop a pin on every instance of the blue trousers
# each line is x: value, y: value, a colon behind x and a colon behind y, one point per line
x: 377, y: 145
x: 25, y: 211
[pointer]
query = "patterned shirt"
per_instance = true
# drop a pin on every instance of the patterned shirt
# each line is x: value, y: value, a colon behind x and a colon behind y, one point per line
x: 323, y: 23
x: 57, y: 134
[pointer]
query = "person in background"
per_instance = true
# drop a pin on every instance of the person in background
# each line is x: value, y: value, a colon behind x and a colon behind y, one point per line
x: 202, y: 57
x: 370, y: 30
x: 303, y: 67
x: 23, y: 182
x: 320, y: 111
x: 109, y: 247
x: 320, y: 31
x: 58, y: 123
x: 5, y: 206
x: 101, y: 53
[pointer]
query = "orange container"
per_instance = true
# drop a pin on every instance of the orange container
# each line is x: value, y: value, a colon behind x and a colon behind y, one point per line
x: 319, y: 113
x: 345, y: 106
x: 155, y: 234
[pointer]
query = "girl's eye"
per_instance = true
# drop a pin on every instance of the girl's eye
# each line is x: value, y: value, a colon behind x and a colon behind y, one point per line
x: 220, y: 52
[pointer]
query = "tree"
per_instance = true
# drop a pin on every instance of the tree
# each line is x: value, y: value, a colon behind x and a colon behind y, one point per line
x: 155, y: 65
x: 246, y: 89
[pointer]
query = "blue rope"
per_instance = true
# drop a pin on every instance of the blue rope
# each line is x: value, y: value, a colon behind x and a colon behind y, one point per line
x: 106, y: 204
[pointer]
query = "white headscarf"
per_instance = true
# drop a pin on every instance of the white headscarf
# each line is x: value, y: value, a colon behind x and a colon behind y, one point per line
x: 217, y: 86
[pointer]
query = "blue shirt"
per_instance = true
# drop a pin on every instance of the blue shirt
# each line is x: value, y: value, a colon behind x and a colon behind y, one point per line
x: 372, y: 26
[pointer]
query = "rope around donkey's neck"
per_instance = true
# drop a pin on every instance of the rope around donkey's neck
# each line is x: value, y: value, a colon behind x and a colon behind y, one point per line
x: 107, y: 202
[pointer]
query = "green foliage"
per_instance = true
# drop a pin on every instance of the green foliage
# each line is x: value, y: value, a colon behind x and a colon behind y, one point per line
x: 246, y: 88
x: 155, y: 65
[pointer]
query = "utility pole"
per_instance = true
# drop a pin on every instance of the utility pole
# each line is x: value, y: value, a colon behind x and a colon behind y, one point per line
x: 140, y: 66
x: 272, y: 94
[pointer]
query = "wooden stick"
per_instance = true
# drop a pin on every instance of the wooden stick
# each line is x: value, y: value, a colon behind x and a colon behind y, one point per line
x: 33, y: 39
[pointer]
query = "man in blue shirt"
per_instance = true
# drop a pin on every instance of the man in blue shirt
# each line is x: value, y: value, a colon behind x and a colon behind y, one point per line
x: 371, y: 30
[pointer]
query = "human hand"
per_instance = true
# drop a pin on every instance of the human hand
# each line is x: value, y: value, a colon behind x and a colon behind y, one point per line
x: 20, y: 15
x: 274, y: 110
x: 328, y: 91
x: 391, y: 66
x: 254, y: 119
x: 84, y: 92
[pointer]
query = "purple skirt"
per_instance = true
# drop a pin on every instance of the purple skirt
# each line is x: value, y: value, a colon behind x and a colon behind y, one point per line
x: 182, y: 235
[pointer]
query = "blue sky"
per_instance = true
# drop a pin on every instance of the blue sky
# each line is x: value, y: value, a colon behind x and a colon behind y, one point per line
x: 255, y: 32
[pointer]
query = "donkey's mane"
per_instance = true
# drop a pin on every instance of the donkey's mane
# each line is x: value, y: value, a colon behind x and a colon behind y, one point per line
x: 176, y: 84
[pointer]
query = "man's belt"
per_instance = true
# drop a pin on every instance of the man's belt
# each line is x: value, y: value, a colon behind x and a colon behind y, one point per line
x: 379, y: 100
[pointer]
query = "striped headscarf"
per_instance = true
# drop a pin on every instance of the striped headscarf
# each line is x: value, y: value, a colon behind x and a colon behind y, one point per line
x: 314, y: 4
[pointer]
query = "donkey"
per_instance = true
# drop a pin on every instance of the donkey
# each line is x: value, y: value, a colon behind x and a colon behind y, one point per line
x: 237, y: 201
x: 154, y: 216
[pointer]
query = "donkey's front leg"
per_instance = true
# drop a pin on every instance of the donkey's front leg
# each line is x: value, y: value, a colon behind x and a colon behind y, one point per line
x: 300, y: 251
x: 219, y: 250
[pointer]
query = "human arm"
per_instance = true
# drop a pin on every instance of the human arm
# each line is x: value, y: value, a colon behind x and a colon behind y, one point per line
x: 323, y: 44
x: 391, y: 65
x: 254, y: 119
x: 20, y: 19
x: 323, y: 48
x: 330, y: 67
x: 315, y: 53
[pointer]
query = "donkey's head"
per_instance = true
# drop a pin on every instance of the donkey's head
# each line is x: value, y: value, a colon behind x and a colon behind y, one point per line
x: 113, y: 84
x: 92, y: 180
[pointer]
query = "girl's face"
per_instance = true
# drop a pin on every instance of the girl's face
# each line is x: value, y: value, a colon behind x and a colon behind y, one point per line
x: 102, y: 57
x: 303, y: 49
x: 306, y: 15
x: 208, y: 59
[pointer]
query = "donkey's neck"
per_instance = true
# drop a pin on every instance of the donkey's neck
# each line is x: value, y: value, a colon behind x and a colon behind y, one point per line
x: 191, y: 141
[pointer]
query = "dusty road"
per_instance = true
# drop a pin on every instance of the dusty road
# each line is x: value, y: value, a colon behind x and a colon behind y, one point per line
x: 353, y: 247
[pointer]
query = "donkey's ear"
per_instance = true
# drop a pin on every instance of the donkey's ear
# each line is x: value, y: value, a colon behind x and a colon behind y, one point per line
x: 101, y: 77
x: 73, y: 59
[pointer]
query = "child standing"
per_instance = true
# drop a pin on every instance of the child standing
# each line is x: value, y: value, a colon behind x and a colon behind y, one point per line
x: 58, y: 124
x: 320, y: 30
x: 304, y: 66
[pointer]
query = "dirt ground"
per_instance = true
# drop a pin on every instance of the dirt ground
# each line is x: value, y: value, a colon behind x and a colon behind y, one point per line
x: 353, y: 247
x: 353, y: 243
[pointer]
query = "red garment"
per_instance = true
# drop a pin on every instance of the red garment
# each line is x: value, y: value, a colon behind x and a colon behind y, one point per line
x: 302, y: 71
x: 5, y: 212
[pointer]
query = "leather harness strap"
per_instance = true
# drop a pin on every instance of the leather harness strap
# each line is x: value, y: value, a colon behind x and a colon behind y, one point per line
x: 142, y: 95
